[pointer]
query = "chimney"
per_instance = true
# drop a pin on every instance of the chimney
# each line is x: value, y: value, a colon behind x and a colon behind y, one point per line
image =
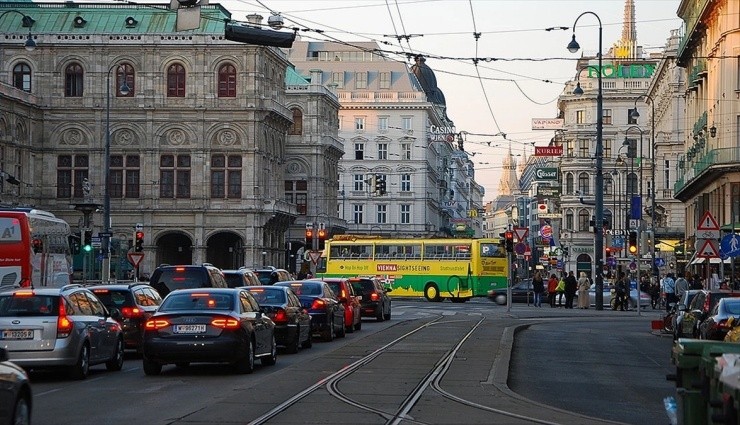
x: 316, y: 77
x: 255, y: 19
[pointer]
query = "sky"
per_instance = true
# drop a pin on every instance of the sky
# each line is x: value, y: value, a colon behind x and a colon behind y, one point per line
x: 521, y: 67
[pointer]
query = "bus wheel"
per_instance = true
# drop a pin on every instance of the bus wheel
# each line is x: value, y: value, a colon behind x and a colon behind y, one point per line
x: 431, y: 293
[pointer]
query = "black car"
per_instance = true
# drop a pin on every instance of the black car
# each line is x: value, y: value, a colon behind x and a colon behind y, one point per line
x: 678, y: 313
x: 521, y: 292
x: 166, y: 279
x: 374, y: 301
x: 720, y: 319
x: 271, y: 275
x: 700, y: 307
x: 327, y: 314
x: 131, y: 305
x: 241, y: 277
x: 15, y: 392
x: 213, y: 325
x: 292, y: 321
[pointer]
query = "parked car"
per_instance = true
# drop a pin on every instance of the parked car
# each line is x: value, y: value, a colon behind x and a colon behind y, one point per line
x: 679, y: 331
x: 132, y: 305
x: 59, y: 327
x: 292, y: 321
x: 346, y: 296
x: 213, y: 325
x: 521, y: 292
x: 166, y: 278
x: 15, y: 392
x: 241, y: 277
x: 374, y: 299
x: 327, y: 314
x: 699, y: 308
x: 721, y: 319
x: 271, y: 275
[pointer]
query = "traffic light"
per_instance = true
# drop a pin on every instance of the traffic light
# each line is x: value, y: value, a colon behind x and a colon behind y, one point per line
x: 309, y: 238
x: 139, y: 242
x: 87, y: 241
x: 509, y: 236
x: 381, y: 186
x: 322, y: 233
x: 566, y: 251
x: 632, y: 245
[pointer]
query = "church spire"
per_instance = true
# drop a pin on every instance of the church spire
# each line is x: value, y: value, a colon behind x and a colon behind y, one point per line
x: 509, y: 184
x: 629, y: 30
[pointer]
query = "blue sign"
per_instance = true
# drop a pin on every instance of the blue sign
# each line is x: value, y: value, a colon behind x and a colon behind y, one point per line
x: 730, y: 245
x: 659, y: 262
x: 618, y: 241
x: 636, y: 208
x: 611, y: 262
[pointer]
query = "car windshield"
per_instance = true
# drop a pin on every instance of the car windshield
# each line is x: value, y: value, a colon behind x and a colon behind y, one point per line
x: 28, y: 305
x: 312, y: 288
x: 115, y: 298
x: 182, y: 278
x: 197, y: 301
x: 363, y: 287
x: 268, y: 296
x: 234, y: 280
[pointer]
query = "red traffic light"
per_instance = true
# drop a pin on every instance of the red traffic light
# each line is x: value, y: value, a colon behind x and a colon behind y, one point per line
x: 309, y: 233
x: 509, y: 235
x: 322, y: 233
x: 140, y: 235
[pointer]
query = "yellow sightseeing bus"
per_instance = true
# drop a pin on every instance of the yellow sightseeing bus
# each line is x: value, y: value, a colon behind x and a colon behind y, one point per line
x: 458, y: 269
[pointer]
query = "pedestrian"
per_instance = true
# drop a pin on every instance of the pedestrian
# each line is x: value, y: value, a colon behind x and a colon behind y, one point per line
x: 560, y: 290
x: 622, y: 292
x: 584, y: 283
x: 571, y: 286
x: 694, y: 280
x: 552, y: 285
x: 682, y: 285
x: 669, y: 289
x: 538, y: 285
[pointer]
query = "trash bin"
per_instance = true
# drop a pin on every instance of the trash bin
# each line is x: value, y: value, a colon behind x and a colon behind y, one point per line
x: 729, y: 386
x: 687, y: 356
x: 714, y: 358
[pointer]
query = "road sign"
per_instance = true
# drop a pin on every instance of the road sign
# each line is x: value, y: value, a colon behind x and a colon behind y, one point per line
x: 139, y: 227
x: 521, y: 233
x: 315, y: 256
x: 708, y: 249
x: 105, y: 234
x: 520, y: 248
x: 659, y: 262
x: 135, y: 258
x: 707, y: 222
x: 546, y: 231
x: 95, y: 241
x: 730, y: 245
x: 634, y: 223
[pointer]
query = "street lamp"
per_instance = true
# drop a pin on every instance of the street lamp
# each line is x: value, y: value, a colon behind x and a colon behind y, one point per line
x: 124, y: 90
x: 573, y: 47
x: 635, y: 115
x: 26, y: 22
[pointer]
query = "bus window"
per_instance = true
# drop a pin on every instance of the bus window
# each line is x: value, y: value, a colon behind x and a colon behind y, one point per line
x: 492, y: 250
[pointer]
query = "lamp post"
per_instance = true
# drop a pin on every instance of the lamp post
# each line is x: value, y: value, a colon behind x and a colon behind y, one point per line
x: 639, y: 217
x: 26, y: 22
x: 635, y: 114
x: 124, y: 90
x: 573, y: 47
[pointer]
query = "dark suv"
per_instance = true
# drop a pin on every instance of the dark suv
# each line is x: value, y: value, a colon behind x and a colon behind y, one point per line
x: 375, y: 301
x: 132, y: 305
x: 271, y: 275
x: 166, y: 279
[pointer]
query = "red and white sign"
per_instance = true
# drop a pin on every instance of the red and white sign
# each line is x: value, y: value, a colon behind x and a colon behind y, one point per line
x: 546, y: 231
x: 521, y: 233
x: 135, y: 258
x: 708, y: 249
x: 542, y: 208
x: 548, y: 151
x: 707, y: 222
x: 314, y: 256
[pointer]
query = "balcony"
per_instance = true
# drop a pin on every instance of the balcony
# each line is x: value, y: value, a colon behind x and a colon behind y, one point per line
x: 696, y: 174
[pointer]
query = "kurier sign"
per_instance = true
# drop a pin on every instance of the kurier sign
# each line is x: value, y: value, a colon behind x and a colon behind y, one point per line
x: 546, y: 173
x: 548, y: 151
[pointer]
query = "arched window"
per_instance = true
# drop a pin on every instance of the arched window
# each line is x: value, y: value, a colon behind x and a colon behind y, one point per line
x: 22, y: 77
x: 608, y: 219
x: 583, y: 220
x: 583, y: 183
x: 569, y: 220
x: 125, y: 73
x: 73, y: 80
x: 608, y: 185
x: 632, y: 184
x: 227, y: 80
x: 297, y: 127
x: 176, y: 81
x: 569, y: 184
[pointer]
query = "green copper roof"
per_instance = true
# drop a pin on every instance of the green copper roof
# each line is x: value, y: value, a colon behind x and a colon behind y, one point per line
x: 292, y: 78
x: 59, y: 18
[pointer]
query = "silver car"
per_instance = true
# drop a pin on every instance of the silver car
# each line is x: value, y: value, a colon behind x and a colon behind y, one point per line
x: 65, y: 327
x: 15, y: 393
x: 609, y: 292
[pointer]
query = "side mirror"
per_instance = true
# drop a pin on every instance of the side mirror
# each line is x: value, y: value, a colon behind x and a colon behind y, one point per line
x: 3, y: 355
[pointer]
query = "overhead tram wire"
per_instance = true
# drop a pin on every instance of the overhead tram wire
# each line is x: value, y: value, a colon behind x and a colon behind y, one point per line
x: 476, y: 36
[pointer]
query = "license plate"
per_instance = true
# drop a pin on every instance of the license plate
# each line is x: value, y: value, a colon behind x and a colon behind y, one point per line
x: 190, y: 329
x: 20, y: 334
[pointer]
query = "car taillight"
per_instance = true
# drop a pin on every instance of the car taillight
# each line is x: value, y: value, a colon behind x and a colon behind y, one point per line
x: 225, y: 323
x: 64, y: 324
x: 343, y: 293
x: 374, y: 296
x: 154, y: 324
x: 280, y: 316
x: 318, y: 304
x: 132, y: 312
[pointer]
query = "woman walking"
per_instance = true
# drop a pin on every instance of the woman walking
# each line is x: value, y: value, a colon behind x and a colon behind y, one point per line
x: 584, y: 283
x: 538, y: 285
x: 552, y: 284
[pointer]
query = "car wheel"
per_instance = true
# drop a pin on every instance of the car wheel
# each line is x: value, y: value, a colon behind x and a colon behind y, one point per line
x: 246, y: 364
x: 308, y: 343
x: 349, y: 328
x: 22, y: 411
x: 358, y: 325
x: 329, y: 333
x: 150, y: 367
x: 116, y: 362
x: 388, y: 315
x: 500, y: 299
x: 292, y: 346
x: 342, y: 333
x: 82, y: 367
x: 272, y: 358
x: 380, y: 316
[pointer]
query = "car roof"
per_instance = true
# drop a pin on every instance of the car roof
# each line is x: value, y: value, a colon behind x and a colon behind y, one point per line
x: 202, y: 290
x: 278, y: 287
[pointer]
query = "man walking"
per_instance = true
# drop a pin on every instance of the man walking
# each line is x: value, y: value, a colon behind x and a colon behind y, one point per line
x: 669, y: 289
x: 571, y: 286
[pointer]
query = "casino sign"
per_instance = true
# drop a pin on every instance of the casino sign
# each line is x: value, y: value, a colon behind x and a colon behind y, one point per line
x: 442, y: 134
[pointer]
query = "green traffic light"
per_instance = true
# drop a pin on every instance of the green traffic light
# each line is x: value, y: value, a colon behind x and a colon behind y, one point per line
x: 87, y: 248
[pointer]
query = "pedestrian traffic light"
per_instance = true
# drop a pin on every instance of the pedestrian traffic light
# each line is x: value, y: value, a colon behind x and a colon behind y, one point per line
x: 632, y: 246
x: 509, y: 236
x: 322, y: 233
x: 139, y: 242
x: 309, y: 238
x: 87, y: 241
